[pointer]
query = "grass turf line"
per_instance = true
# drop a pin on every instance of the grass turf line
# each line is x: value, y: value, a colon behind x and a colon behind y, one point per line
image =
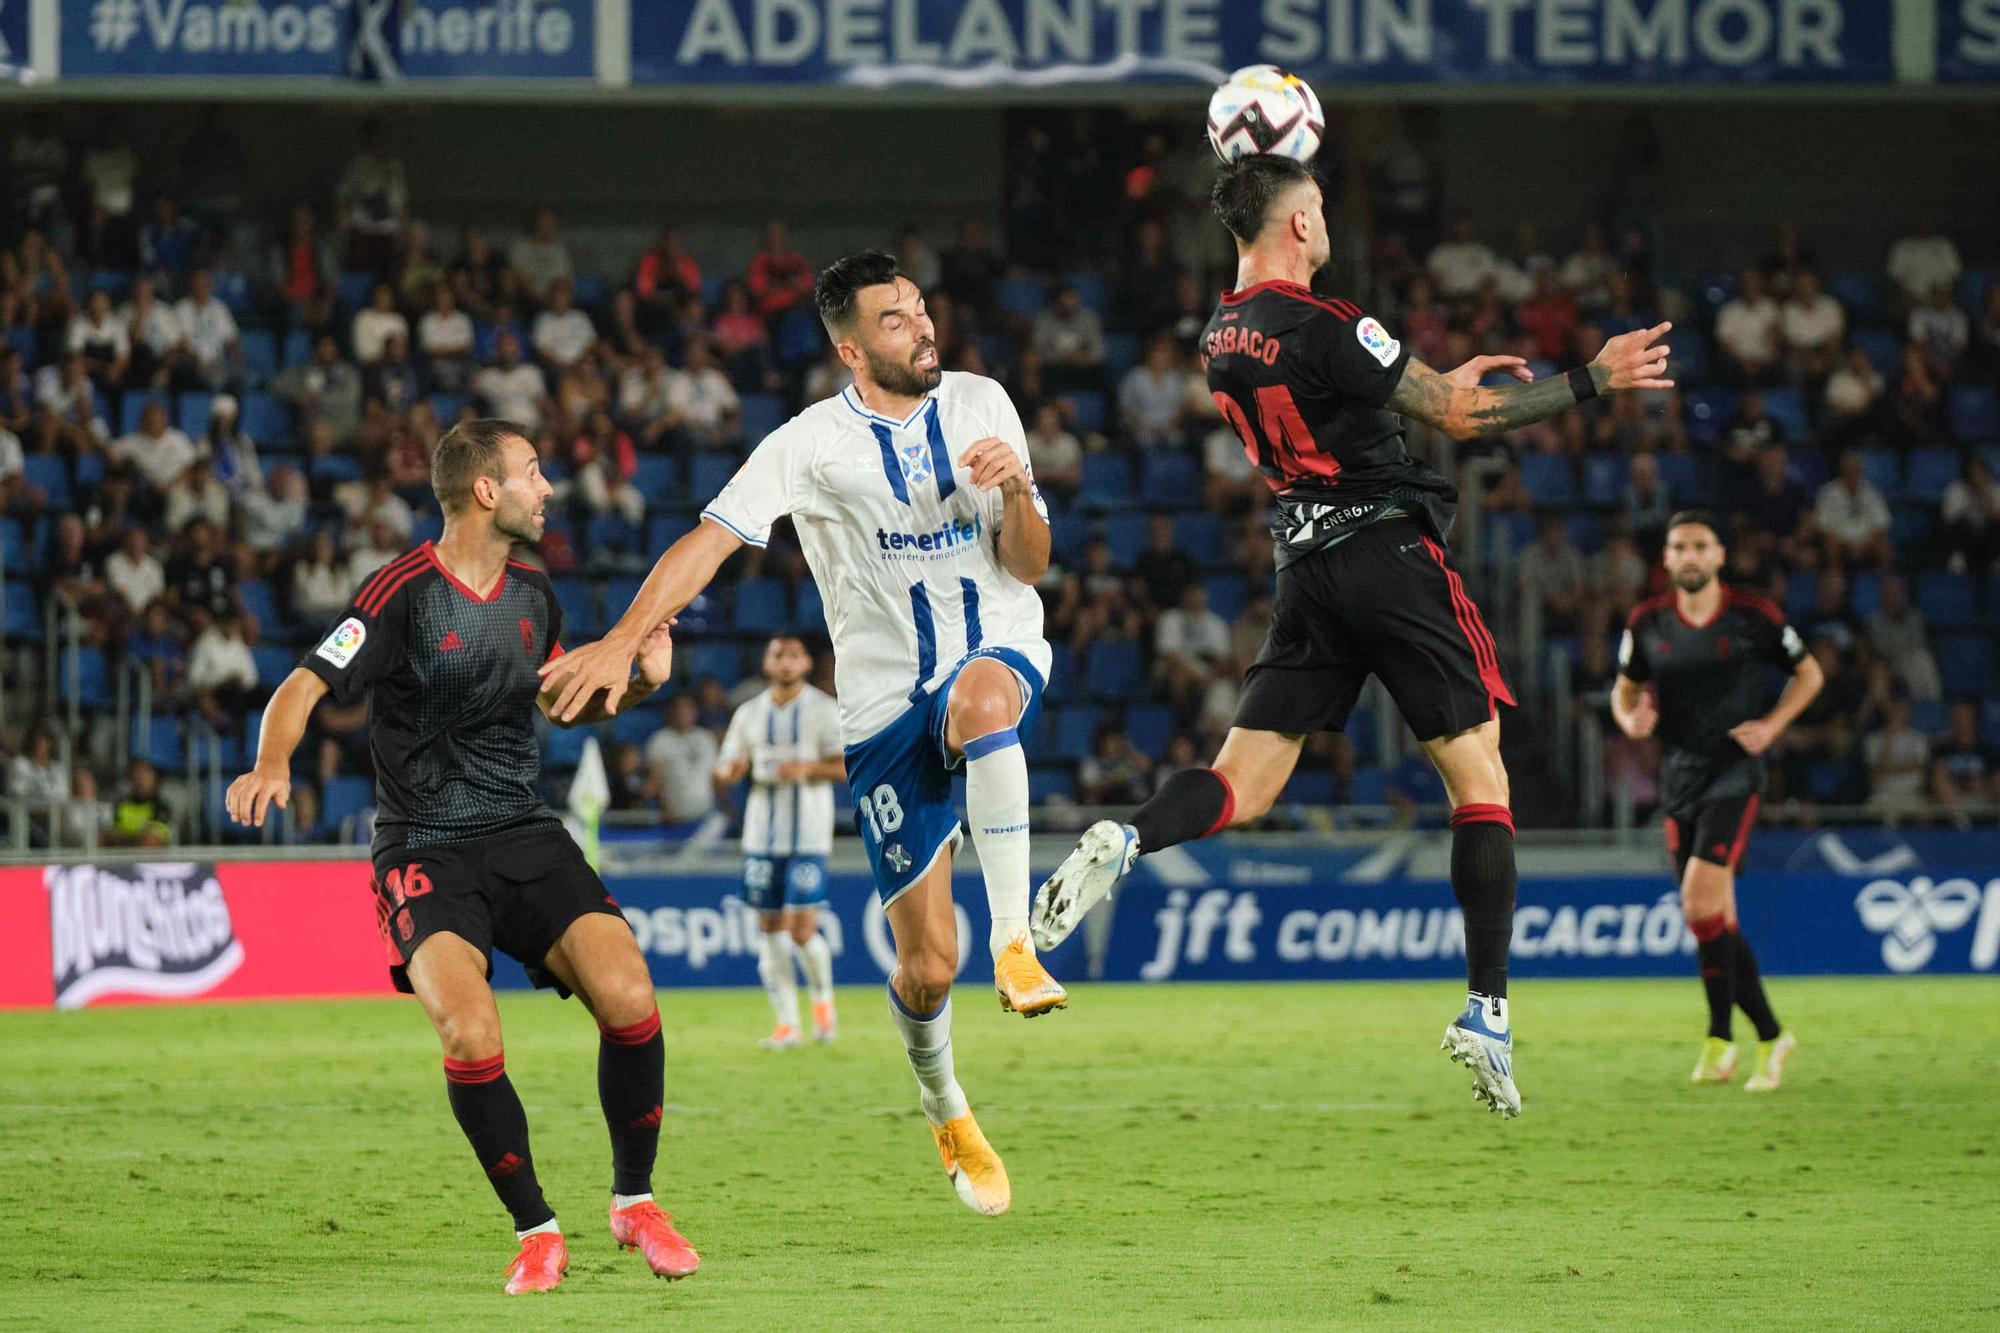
x: 1229, y: 1156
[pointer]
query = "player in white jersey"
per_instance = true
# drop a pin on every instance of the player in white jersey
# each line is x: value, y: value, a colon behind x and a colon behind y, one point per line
x: 787, y: 742
x: 915, y: 508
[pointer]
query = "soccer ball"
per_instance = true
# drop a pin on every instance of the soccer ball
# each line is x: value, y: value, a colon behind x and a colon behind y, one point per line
x: 1264, y: 109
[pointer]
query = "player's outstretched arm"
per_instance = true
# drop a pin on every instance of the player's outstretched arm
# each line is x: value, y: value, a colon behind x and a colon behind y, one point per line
x: 1757, y: 735
x: 578, y: 677
x: 1632, y: 709
x: 1635, y: 360
x: 269, y: 783
x: 656, y: 663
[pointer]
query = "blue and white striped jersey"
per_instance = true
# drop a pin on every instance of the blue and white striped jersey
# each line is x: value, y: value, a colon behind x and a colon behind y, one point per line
x: 785, y: 818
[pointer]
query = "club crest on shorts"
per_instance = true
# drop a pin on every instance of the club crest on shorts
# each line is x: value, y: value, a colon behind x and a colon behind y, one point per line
x: 898, y: 859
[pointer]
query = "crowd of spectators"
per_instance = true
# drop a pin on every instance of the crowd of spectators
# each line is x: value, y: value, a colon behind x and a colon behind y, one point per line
x: 204, y: 448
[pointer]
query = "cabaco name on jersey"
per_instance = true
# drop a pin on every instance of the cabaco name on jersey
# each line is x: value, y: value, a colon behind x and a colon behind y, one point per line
x: 165, y: 931
x: 1247, y: 342
x: 950, y: 539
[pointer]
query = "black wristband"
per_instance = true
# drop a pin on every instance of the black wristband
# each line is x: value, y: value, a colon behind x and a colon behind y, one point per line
x: 1581, y: 384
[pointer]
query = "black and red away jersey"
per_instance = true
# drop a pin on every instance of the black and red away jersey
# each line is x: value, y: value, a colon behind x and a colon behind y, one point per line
x: 1707, y: 679
x: 1302, y: 378
x: 450, y: 679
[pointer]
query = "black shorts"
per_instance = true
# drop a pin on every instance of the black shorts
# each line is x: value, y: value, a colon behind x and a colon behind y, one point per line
x: 1384, y: 602
x: 517, y: 891
x: 1716, y: 830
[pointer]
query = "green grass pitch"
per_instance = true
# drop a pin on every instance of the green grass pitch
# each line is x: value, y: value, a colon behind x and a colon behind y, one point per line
x: 1226, y: 1156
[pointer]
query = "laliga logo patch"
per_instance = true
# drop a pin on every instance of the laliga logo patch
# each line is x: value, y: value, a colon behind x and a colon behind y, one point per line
x: 915, y: 460
x: 1911, y: 918
x: 345, y: 641
x: 1376, y: 340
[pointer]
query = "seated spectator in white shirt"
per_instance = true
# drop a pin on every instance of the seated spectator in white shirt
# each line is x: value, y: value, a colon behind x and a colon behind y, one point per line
x: 563, y: 335
x: 158, y: 452
x: 514, y: 390
x: 154, y: 337
x: 1899, y: 636
x: 222, y: 672
x: 1922, y: 261
x: 828, y: 377
x: 15, y: 492
x: 1942, y: 330
x: 681, y: 760
x: 374, y: 326
x: 210, y: 330
x: 321, y: 583
x: 1898, y: 762
x: 1191, y: 646
x: 703, y: 397
x: 1852, y: 517
x: 1586, y: 275
x: 444, y: 336
x: 1812, y: 324
x: 1746, y: 333
x: 134, y: 572
x: 1069, y: 338
x: 274, y: 514
x: 1851, y: 391
x: 1460, y: 263
x: 540, y: 258
x: 197, y: 495
x: 382, y: 546
x: 1054, y: 454
x: 102, y: 339
x: 1152, y: 398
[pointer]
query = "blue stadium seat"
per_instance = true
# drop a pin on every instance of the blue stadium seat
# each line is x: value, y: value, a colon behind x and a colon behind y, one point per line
x: 579, y: 609
x: 447, y: 406
x: 1125, y: 534
x: 192, y: 413
x: 1827, y: 780
x: 135, y: 404
x: 345, y: 798
x: 612, y: 534
x: 1112, y: 671
x: 161, y: 744
x: 1200, y: 535
x: 51, y: 474
x: 1586, y: 532
x: 562, y: 747
x: 1311, y: 786
x: 1121, y: 353
x: 800, y: 339
x: 1170, y: 480
x: 1713, y: 291
x: 1809, y: 468
x: 1692, y: 361
x: 354, y: 289
x: 808, y: 608
x: 333, y: 468
x: 1965, y: 663
x: 1548, y: 479
x: 1068, y: 535
x: 1708, y: 411
x: 1911, y: 526
x: 1508, y: 534
x: 709, y: 474
x: 1368, y: 786
x: 1930, y: 471
x: 1107, y: 482
x: 20, y: 616
x: 262, y: 605
x: 266, y: 419
x: 1062, y: 673
x: 663, y: 530
x: 1088, y: 410
x: 232, y: 289
x: 1051, y: 782
x: 1885, y: 469
x: 15, y: 557
x: 590, y: 290
x: 260, y: 355
x: 1787, y: 407
x: 1072, y: 731
x: 298, y: 348
x: 273, y: 664
x: 1363, y: 729
x: 1801, y: 593
x: 1681, y: 474
x: 997, y: 350
x: 1929, y: 716
x: 761, y: 606
x: 1947, y: 600
x: 23, y: 341
x: 1024, y: 297
x: 712, y: 657
x: 1604, y: 477
x: 1864, y: 593
x: 762, y: 414
x: 1972, y: 284
x: 635, y: 726
x: 1860, y: 293
x: 1228, y: 594
x: 1150, y: 727
x: 93, y: 677
x: 1883, y: 346
x: 426, y: 527
x: 113, y: 282
x: 1975, y: 413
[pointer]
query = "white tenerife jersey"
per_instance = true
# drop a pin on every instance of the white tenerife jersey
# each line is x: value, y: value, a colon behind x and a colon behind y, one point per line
x: 785, y: 818
x: 904, y: 549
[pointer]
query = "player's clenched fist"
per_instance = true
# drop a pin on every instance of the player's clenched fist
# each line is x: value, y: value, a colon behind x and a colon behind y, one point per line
x: 1645, y: 715
x: 251, y: 795
x: 993, y: 463
x: 1636, y: 360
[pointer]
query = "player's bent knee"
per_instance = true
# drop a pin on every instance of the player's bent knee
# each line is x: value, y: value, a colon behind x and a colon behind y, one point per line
x: 927, y: 980
x: 469, y: 1036
x: 626, y: 1001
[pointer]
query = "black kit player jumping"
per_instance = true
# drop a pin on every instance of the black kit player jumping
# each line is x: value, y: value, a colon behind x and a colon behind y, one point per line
x: 1315, y: 389
x: 1706, y: 650
x: 445, y: 643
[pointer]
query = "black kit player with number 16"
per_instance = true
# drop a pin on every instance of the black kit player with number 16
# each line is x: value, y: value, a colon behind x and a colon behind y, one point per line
x: 446, y: 644
x: 1317, y: 390
x: 1706, y: 650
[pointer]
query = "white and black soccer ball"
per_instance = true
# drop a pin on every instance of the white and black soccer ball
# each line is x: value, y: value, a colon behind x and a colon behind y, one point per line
x: 1264, y: 109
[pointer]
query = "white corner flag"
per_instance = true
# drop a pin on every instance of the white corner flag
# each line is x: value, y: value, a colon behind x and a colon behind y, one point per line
x: 589, y: 794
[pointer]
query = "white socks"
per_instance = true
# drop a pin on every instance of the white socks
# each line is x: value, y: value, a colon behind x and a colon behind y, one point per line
x: 547, y: 1228
x: 996, y: 800
x: 627, y: 1200
x: 774, y: 969
x: 816, y: 961
x: 928, y: 1042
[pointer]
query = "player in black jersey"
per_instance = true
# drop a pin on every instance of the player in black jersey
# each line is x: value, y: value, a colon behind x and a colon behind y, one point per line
x: 1706, y: 649
x: 445, y: 643
x: 1316, y: 389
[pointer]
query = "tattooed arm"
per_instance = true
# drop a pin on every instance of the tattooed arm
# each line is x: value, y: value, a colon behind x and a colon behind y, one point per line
x: 1460, y: 407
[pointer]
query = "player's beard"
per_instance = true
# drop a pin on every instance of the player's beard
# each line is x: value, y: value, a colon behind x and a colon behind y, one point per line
x: 1693, y: 580
x: 516, y: 524
x: 902, y: 378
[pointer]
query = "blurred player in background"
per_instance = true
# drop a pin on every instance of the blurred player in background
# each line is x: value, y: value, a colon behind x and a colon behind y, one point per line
x: 787, y: 742
x: 1706, y: 649
x: 444, y: 643
x: 1313, y: 387
x: 913, y: 502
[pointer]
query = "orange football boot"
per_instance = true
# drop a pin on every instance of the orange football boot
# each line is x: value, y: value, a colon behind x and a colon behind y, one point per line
x: 540, y: 1265
x: 643, y: 1227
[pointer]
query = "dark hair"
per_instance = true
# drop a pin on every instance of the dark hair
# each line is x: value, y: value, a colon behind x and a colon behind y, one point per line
x: 791, y: 636
x: 470, y: 450
x: 1700, y: 516
x: 1245, y: 190
x: 840, y: 283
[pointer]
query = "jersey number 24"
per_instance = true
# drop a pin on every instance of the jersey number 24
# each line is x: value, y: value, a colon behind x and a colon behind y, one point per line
x: 1280, y: 445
